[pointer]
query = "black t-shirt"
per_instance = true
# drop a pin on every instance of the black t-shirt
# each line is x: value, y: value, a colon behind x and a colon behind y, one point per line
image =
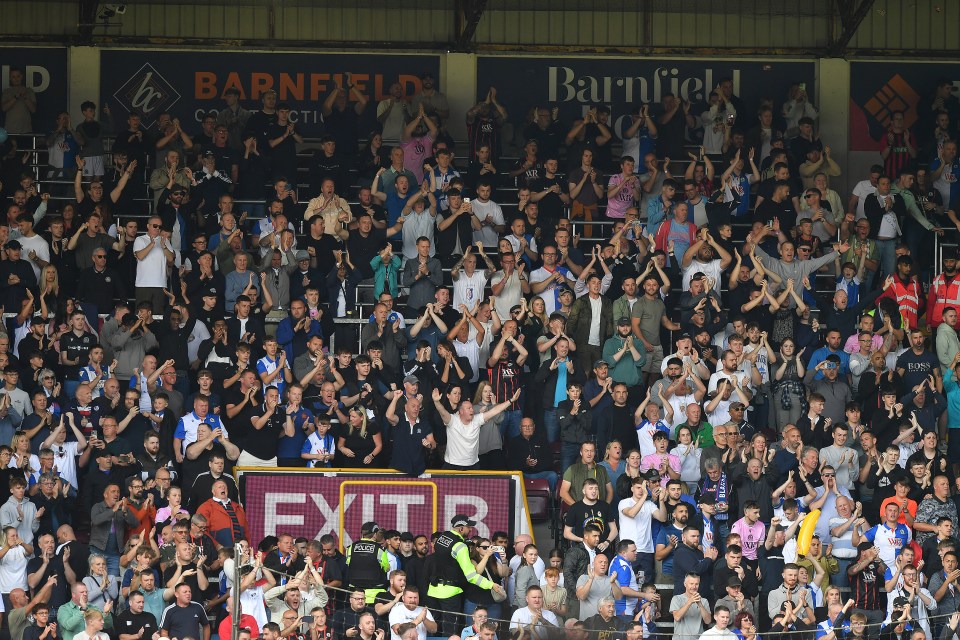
x: 239, y: 426
x: 259, y: 122
x: 363, y: 249
x: 343, y: 126
x: 77, y: 347
x: 128, y: 622
x: 324, y: 247
x: 263, y: 443
x: 361, y: 445
x: 550, y: 206
x: 531, y: 175
x: 782, y: 211
x: 581, y: 514
x: 284, y: 154
x: 226, y: 157
x: 378, y: 213
x: 61, y: 592
x: 191, y: 580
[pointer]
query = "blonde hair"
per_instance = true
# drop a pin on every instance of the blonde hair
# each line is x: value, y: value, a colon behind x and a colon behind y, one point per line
x: 54, y: 286
x: 363, y: 415
x: 17, y: 438
x: 544, y: 318
x: 606, y: 452
x: 92, y: 614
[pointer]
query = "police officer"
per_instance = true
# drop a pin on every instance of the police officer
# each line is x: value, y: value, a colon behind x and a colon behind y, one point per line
x: 453, y: 570
x: 367, y: 562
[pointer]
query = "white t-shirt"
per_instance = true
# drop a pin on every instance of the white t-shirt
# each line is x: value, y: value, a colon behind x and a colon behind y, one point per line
x: 510, y: 295
x: 863, y: 190
x: 251, y: 604
x: 468, y: 289
x: 637, y: 528
x: 710, y: 269
x: 645, y: 437
x: 523, y: 617
x: 13, y: 570
x: 463, y: 441
x: 679, y: 404
x: 722, y: 375
x: 595, y: 306
x: 152, y: 270
x: 763, y: 361
x: 471, y: 351
x: 65, y: 459
x: 38, y: 244
x: 721, y: 414
x: 401, y: 615
x: 487, y: 235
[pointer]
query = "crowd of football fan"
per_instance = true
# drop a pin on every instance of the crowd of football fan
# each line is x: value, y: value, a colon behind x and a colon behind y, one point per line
x: 691, y: 301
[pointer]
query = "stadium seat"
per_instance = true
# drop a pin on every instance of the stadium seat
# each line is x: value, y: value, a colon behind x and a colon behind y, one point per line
x: 539, y: 499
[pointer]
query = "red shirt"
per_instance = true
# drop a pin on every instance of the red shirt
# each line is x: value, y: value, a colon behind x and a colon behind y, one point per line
x: 246, y: 621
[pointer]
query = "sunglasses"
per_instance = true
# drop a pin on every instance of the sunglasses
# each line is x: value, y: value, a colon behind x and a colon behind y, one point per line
x: 154, y: 226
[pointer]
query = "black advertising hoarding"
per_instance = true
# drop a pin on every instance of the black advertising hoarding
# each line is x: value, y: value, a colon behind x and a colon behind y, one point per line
x: 45, y: 71
x: 575, y: 84
x: 190, y: 83
x: 878, y: 89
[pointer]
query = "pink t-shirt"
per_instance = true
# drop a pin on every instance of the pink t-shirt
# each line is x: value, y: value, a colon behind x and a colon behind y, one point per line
x: 751, y: 536
x: 415, y: 152
x: 617, y: 205
x: 654, y: 460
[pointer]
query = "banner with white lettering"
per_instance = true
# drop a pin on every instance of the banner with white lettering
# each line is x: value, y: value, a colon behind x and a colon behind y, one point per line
x: 311, y: 503
x: 575, y: 84
x: 45, y: 71
x: 189, y: 84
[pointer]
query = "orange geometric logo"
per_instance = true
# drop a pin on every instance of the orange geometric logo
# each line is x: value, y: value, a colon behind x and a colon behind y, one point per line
x: 895, y: 95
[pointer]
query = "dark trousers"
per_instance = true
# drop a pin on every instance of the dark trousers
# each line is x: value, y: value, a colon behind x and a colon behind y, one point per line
x: 448, y: 623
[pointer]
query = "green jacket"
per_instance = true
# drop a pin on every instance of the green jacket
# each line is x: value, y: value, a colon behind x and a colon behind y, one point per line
x: 627, y: 370
x: 385, y: 276
x: 911, y: 202
x: 70, y: 620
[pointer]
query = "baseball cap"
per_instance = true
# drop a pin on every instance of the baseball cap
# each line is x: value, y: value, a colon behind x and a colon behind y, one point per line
x: 13, y: 244
x: 600, y: 363
x: 734, y: 581
x: 411, y: 380
x: 210, y: 292
x: 369, y: 527
x: 707, y: 498
x: 624, y: 320
x: 302, y: 255
x: 406, y: 536
x: 461, y: 520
